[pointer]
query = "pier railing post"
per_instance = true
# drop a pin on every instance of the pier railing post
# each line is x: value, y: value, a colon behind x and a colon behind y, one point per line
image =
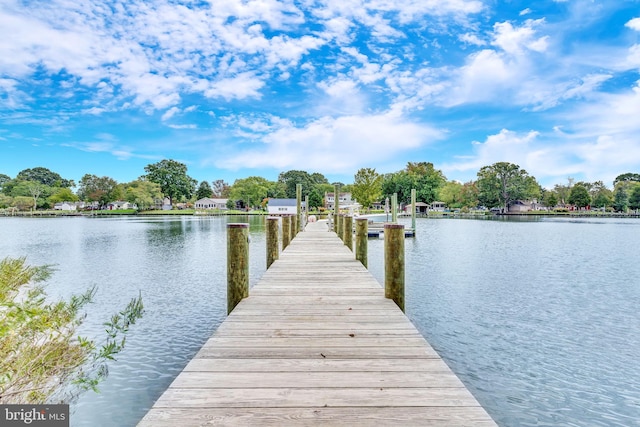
x: 341, y: 226
x: 286, y: 231
x: 394, y: 263
x: 237, y: 264
x: 294, y: 226
x: 272, y: 240
x: 413, y: 210
x: 394, y: 208
x: 362, y: 234
x: 348, y: 232
x: 298, y: 208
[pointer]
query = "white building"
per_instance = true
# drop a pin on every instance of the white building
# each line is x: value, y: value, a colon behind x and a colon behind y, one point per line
x: 209, y: 203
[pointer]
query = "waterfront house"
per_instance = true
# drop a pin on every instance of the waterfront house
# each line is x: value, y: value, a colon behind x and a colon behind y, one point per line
x: 284, y: 206
x: 210, y: 203
x: 438, y: 206
x: 65, y: 206
x: 121, y: 204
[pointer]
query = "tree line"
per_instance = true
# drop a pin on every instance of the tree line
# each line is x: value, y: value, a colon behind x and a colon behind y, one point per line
x: 497, y: 186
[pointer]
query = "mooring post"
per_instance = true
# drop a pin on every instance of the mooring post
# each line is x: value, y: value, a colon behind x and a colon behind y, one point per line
x: 286, y: 231
x: 394, y: 263
x: 305, y: 214
x: 362, y: 234
x: 341, y: 226
x: 413, y: 210
x: 294, y: 226
x: 237, y: 264
x: 336, y: 209
x: 272, y: 240
x: 298, y: 208
x: 348, y: 232
x: 394, y: 208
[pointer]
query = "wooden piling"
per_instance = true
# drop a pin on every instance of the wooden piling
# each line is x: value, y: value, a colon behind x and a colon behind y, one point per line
x: 394, y: 263
x: 298, y: 207
x: 348, y: 232
x: 237, y: 264
x: 362, y: 241
x: 336, y: 209
x: 394, y: 208
x: 294, y: 226
x: 272, y: 240
x: 286, y: 231
x: 413, y: 210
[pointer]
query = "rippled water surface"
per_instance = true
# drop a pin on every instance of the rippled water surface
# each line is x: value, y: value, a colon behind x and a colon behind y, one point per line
x: 539, y: 319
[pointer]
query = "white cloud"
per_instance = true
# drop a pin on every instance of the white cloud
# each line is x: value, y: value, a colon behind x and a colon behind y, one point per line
x: 471, y: 39
x: 634, y: 24
x: 517, y: 40
x: 340, y: 144
x: 526, y: 11
x: 170, y: 113
x: 245, y: 85
x: 506, y: 146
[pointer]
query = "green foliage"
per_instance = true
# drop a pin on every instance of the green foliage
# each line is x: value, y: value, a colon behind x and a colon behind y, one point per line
x: 172, y: 178
x: 367, y: 187
x: 40, y: 360
x: 634, y: 197
x: 421, y: 175
x: 98, y: 189
x: 579, y: 196
x: 503, y: 183
x: 62, y: 195
x: 626, y: 177
x: 308, y: 182
x: 142, y: 192
x: 620, y: 200
x: 550, y: 199
x: 251, y: 191
x: 44, y: 176
x: 204, y: 191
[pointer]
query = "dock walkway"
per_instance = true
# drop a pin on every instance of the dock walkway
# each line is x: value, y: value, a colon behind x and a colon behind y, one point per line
x: 317, y: 343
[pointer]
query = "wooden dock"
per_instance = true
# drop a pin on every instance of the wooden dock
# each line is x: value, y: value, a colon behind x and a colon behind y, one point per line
x: 317, y: 343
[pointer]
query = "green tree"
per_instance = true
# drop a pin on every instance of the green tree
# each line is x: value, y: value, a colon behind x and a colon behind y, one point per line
x: 420, y: 175
x: 41, y: 359
x: 601, y: 196
x: 62, y: 195
x: 634, y: 197
x: 172, y: 178
x: 34, y: 189
x: 143, y: 193
x: 469, y: 195
x: 44, y: 176
x: 620, y: 199
x: 98, y: 189
x: 626, y: 177
x: 550, y: 199
x: 204, y: 190
x: 308, y: 181
x: 579, y: 196
x: 367, y: 187
x: 503, y: 183
x: 451, y: 194
x: 251, y: 191
x: 3, y: 180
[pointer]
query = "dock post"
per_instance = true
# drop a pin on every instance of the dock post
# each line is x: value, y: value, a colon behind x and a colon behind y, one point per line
x: 341, y: 226
x: 237, y: 264
x: 394, y: 263
x: 294, y: 226
x: 348, y: 232
x: 362, y: 234
x: 336, y: 209
x: 286, y: 231
x: 413, y: 210
x: 394, y: 208
x: 298, y: 208
x: 272, y: 240
x: 305, y: 215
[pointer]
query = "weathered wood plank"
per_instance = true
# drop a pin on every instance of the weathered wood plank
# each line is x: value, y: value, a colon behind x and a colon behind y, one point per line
x: 312, y: 417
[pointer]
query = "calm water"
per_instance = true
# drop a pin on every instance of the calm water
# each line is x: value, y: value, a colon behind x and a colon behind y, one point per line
x: 539, y: 319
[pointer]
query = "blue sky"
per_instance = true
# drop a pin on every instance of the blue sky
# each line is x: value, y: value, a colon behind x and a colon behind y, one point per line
x: 235, y: 88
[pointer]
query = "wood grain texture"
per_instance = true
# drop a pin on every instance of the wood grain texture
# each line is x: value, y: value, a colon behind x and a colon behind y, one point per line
x: 317, y: 343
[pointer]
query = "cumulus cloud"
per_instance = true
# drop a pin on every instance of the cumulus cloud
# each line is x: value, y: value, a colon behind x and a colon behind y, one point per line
x: 634, y: 24
x: 340, y: 144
